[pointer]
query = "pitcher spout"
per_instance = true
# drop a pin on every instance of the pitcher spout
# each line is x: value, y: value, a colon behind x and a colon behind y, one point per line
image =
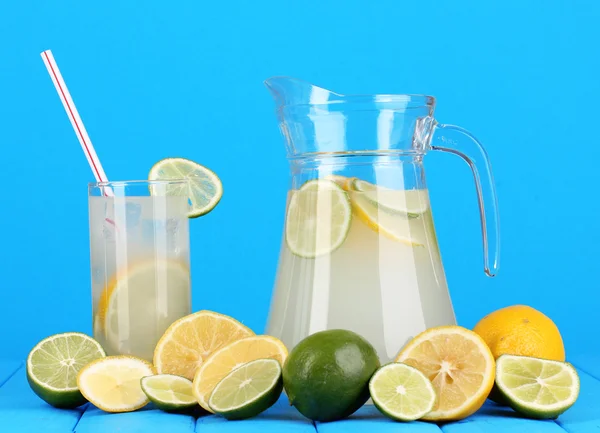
x: 289, y: 91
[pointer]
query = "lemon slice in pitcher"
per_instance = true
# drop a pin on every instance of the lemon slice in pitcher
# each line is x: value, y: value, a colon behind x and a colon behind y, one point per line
x: 318, y: 218
x: 393, y: 226
x: 412, y: 203
x: 205, y: 186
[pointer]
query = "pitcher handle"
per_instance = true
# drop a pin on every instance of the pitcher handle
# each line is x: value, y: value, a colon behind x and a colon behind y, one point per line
x: 473, y: 153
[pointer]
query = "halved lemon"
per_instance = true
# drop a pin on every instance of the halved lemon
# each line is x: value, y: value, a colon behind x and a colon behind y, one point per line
x: 318, y: 218
x: 230, y: 357
x: 460, y: 366
x: 205, y: 188
x: 127, y: 315
x: 190, y: 340
x: 113, y: 383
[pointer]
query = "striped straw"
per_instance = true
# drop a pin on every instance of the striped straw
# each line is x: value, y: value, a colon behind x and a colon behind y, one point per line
x: 80, y: 131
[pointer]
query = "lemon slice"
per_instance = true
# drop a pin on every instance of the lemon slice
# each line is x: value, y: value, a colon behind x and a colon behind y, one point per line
x: 230, y: 357
x: 190, y: 340
x: 113, y: 383
x: 128, y: 311
x: 537, y: 388
x: 460, y: 366
x: 412, y: 202
x: 205, y: 186
x: 318, y: 219
x: 393, y: 226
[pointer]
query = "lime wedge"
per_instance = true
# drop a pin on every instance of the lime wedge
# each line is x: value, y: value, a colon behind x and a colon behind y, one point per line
x: 537, y: 388
x: 169, y: 392
x: 318, y: 218
x: 206, y: 189
x: 248, y: 390
x: 402, y: 392
x: 411, y: 203
x: 391, y: 225
x: 53, y: 365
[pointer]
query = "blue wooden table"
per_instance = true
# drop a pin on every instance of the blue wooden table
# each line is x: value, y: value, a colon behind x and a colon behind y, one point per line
x: 22, y: 411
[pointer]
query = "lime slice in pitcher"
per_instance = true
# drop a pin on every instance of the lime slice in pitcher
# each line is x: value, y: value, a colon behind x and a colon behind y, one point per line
x: 318, y: 218
x: 206, y: 189
x: 53, y: 365
x: 411, y: 203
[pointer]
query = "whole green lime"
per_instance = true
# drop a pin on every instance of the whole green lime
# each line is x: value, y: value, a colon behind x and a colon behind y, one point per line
x: 326, y: 376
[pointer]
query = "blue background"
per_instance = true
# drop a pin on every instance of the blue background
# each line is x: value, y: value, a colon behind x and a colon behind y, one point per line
x: 155, y: 79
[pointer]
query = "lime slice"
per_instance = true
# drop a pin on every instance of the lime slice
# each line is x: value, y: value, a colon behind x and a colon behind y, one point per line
x: 402, y: 392
x: 113, y: 383
x: 391, y: 225
x: 169, y: 392
x: 248, y: 390
x: 129, y: 308
x: 318, y: 218
x: 412, y: 203
x: 206, y: 189
x: 53, y: 364
x: 342, y: 181
x: 537, y: 388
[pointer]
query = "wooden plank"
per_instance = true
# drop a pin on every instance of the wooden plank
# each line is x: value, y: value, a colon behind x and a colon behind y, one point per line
x: 281, y: 418
x: 8, y: 369
x: 584, y: 416
x: 588, y: 363
x: 368, y: 419
x: 492, y: 418
x: 146, y: 420
x: 23, y: 411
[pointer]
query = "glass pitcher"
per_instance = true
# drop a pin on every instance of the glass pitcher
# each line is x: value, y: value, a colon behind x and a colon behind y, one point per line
x: 359, y: 249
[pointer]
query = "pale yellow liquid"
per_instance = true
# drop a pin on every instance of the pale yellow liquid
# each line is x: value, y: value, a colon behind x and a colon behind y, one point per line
x: 386, y: 290
x: 147, y: 233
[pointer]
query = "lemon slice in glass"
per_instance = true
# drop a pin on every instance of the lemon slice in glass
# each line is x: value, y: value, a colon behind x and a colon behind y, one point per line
x: 318, y: 218
x: 205, y: 186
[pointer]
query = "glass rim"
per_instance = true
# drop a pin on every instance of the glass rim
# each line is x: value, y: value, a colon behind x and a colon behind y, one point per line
x: 125, y: 183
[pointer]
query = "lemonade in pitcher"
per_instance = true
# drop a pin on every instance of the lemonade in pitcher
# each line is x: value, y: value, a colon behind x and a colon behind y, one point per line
x: 353, y: 254
x: 359, y: 250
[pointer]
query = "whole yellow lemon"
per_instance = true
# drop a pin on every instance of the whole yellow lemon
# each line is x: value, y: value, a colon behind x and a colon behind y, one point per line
x: 521, y: 330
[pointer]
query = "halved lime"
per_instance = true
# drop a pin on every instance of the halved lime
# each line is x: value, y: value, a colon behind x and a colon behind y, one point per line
x: 206, y: 189
x: 402, y: 392
x: 318, y: 218
x: 537, y: 388
x: 248, y: 390
x: 169, y: 392
x: 53, y: 365
x: 412, y: 203
x: 392, y: 225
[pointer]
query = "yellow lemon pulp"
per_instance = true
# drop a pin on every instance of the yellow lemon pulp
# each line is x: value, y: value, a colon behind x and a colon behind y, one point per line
x: 459, y: 365
x: 190, y: 340
x: 113, y: 383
